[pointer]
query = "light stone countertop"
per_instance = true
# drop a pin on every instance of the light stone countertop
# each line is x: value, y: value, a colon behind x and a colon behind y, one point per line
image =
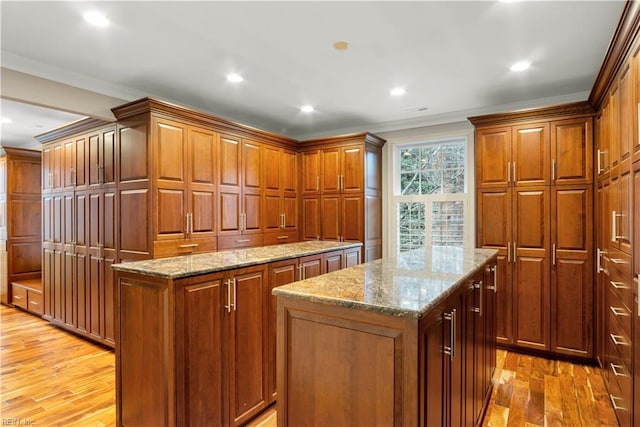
x: 406, y: 285
x: 194, y: 265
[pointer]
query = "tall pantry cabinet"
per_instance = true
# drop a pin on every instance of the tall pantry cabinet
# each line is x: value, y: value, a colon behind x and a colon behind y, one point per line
x: 535, y: 205
x: 341, y: 185
x: 616, y: 97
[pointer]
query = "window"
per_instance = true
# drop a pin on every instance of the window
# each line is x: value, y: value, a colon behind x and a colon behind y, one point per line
x: 433, y: 204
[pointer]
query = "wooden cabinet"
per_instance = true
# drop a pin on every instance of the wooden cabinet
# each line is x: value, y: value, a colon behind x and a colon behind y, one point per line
x: 20, y: 228
x: 535, y: 205
x: 341, y: 184
x: 280, y: 196
x: 186, y: 188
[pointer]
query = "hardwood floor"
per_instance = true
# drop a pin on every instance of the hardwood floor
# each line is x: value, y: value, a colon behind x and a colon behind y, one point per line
x: 49, y: 377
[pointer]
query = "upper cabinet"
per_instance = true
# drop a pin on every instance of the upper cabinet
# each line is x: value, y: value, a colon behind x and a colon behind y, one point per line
x: 535, y: 153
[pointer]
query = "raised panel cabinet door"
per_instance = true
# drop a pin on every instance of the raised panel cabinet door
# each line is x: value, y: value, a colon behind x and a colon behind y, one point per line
x: 310, y: 172
x: 133, y: 154
x: 613, y: 127
x: 69, y: 163
x: 333, y: 261
x: 199, y: 378
x: 95, y: 266
x: 280, y: 273
x: 351, y: 257
x: 628, y: 114
x: 81, y: 163
x: 290, y: 211
x: 229, y: 166
x: 288, y: 171
x: 493, y: 157
x: 625, y: 218
x: 330, y: 217
x: 171, y: 143
x: 252, y: 209
x: 531, y: 247
x: 530, y: 154
x: 56, y: 166
x: 311, y: 218
x: 352, y: 174
x: 94, y: 168
x: 81, y: 251
x: 272, y: 212
x: 201, y: 191
x: 571, y: 271
x: 248, y: 345
x: 352, y: 214
x: 251, y: 161
x: 331, y: 170
x: 636, y: 122
x: 435, y: 385
x: 572, y: 151
x: 229, y: 212
x: 272, y: 168
x: 310, y: 266
x: 109, y: 155
x: 636, y: 223
x: 46, y: 167
x: 68, y: 256
x: 109, y: 257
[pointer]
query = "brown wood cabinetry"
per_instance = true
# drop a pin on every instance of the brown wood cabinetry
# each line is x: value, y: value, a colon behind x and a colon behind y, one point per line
x: 535, y: 205
x: 616, y: 98
x: 341, y: 184
x: 20, y: 229
x: 280, y: 196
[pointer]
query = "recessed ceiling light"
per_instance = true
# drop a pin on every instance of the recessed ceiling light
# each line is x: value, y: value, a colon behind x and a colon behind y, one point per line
x: 6, y: 120
x: 307, y: 109
x: 520, y: 66
x: 397, y: 91
x: 234, y: 78
x: 96, y: 18
x: 341, y: 45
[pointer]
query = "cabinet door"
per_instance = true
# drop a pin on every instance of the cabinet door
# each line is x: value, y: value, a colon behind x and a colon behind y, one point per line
x: 47, y: 157
x: 531, y: 216
x: 628, y: 113
x: 108, y: 254
x: 68, y: 256
x: 571, y: 272
x: 352, y: 169
x: 435, y: 384
x: 311, y: 218
x: 96, y: 264
x: 288, y: 171
x: 351, y: 257
x: 69, y: 163
x: 202, y: 146
x: 108, y: 153
x: 251, y: 186
x: 247, y: 345
x: 530, y: 154
x: 199, y: 332
x: 620, y: 218
x: 311, y: 266
x: 572, y: 151
x: 272, y: 168
x: 280, y: 273
x: 229, y: 185
x: 333, y: 261
x: 494, y: 230
x: 330, y: 217
x: 352, y: 215
x: 331, y: 170
x: 272, y: 206
x: 290, y: 212
x: 311, y: 172
x: 613, y: 128
x: 56, y: 166
x: 493, y: 157
x: 171, y: 175
x: 81, y: 259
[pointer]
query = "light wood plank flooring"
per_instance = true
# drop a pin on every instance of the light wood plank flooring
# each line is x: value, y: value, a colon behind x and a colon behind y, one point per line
x: 51, y: 378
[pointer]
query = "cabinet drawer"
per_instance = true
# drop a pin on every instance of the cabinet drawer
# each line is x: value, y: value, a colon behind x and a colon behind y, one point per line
x: 620, y: 261
x: 34, y: 302
x: 620, y: 346
x: 621, y: 286
x: 620, y: 395
x: 166, y: 248
x: 280, y: 237
x: 239, y: 241
x: 619, y: 311
x: 19, y: 296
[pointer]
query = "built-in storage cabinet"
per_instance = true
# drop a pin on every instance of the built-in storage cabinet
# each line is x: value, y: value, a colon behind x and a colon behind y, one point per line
x: 616, y: 97
x: 535, y: 205
x: 203, y: 347
x: 20, y: 229
x: 342, y: 191
x: 280, y: 196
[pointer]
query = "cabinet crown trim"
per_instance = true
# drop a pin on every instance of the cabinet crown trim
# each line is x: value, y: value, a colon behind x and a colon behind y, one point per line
x: 73, y: 128
x: 563, y: 111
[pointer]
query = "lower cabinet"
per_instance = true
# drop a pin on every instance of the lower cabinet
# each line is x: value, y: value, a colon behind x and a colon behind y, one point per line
x: 200, y: 350
x: 460, y: 354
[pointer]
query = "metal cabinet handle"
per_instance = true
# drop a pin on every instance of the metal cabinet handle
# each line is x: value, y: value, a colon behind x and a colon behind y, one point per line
x: 190, y: 245
x: 515, y: 257
x: 509, y: 252
x: 618, y: 340
x: 513, y: 165
x: 599, y: 166
x: 243, y: 240
x: 618, y: 285
x: 619, y: 312
x: 235, y: 294
x: 317, y: 182
x: 450, y: 349
x: 615, y: 406
x: 186, y: 224
x: 598, y: 261
x: 72, y: 177
x: 508, y: 172
x: 282, y: 237
x: 478, y: 285
x: 228, y: 304
x: 495, y: 278
x: 553, y: 254
x: 553, y: 169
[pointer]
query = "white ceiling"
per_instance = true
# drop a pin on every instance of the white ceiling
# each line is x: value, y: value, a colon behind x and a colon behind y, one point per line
x: 452, y: 57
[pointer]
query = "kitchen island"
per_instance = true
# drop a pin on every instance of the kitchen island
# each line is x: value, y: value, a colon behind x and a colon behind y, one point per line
x: 404, y: 341
x: 195, y: 334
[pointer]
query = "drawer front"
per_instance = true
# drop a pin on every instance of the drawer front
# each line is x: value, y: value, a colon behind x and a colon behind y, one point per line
x: 621, y: 262
x: 619, y: 311
x: 239, y: 241
x: 19, y: 296
x: 166, y: 248
x: 620, y: 400
x: 621, y: 286
x: 280, y: 237
x: 35, y: 303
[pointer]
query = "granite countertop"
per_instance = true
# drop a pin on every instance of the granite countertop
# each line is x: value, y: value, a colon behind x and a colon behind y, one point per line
x: 194, y: 265
x: 406, y: 285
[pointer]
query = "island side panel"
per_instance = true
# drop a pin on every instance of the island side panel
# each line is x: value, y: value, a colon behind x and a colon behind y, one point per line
x: 340, y: 366
x: 144, y: 351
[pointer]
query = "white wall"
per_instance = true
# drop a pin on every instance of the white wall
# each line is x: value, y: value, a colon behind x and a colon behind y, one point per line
x: 421, y: 134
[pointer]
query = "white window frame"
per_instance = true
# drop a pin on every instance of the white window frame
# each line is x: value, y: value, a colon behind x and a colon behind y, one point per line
x: 393, y: 147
